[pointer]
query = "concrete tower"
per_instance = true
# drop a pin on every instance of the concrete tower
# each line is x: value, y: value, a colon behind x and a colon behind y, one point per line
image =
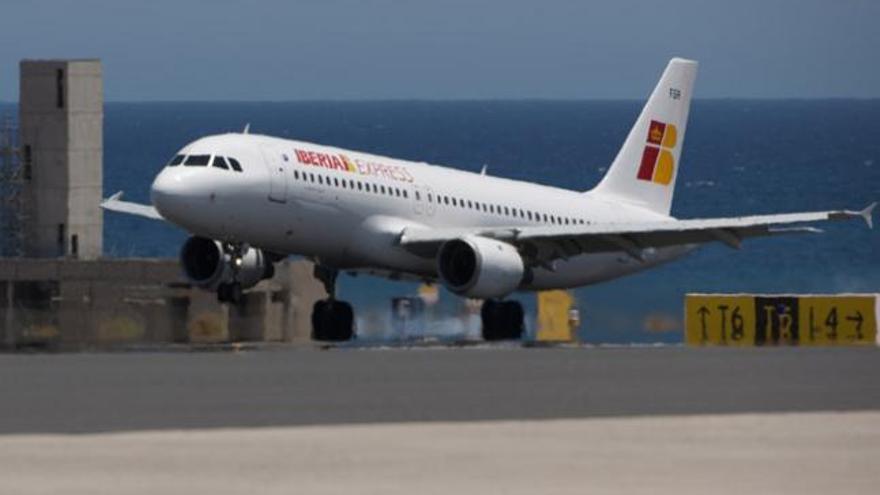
x: 61, y: 105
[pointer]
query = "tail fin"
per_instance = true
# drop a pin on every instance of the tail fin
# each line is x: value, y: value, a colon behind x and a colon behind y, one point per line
x: 646, y: 166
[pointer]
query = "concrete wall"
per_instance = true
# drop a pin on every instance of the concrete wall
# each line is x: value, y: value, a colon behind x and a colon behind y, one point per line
x: 61, y: 126
x: 76, y: 303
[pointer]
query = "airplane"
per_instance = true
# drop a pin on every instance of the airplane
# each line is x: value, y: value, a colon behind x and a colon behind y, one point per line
x: 251, y: 200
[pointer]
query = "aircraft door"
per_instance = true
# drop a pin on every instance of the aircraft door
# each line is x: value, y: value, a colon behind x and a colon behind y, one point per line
x: 419, y: 200
x: 427, y: 200
x: 276, y: 164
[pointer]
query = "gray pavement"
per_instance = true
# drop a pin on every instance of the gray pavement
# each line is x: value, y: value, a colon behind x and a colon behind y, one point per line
x: 797, y: 453
x: 83, y: 393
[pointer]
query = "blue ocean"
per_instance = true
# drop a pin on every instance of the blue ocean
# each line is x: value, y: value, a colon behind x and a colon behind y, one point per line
x: 740, y: 157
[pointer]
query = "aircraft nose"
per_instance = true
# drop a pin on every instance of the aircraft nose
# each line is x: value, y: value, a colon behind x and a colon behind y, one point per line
x: 168, y: 192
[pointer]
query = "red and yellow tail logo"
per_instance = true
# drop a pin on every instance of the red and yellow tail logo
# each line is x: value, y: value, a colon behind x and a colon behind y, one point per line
x: 658, y: 163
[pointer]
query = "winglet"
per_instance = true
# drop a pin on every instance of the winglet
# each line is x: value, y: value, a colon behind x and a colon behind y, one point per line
x: 867, y: 213
x: 247, y: 128
x: 114, y: 197
x: 484, y: 169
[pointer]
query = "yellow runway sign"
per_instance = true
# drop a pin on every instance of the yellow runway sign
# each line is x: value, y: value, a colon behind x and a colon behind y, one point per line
x: 555, y: 323
x: 747, y: 319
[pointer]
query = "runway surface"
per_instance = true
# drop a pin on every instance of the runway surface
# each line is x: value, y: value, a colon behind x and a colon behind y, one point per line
x: 81, y: 393
x: 799, y: 453
x: 469, y: 421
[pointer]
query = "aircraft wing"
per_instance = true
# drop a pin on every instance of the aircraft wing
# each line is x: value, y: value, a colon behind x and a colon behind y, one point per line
x: 114, y: 203
x: 543, y: 244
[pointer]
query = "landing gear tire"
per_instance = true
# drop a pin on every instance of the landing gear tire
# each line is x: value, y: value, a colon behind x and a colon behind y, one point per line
x: 229, y: 293
x: 332, y: 321
x: 502, y: 320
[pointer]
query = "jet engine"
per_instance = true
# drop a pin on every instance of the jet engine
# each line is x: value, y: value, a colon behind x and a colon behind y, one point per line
x: 207, y: 264
x: 480, y: 267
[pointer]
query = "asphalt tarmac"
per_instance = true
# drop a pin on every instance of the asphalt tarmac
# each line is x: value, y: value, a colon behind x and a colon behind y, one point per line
x: 115, y: 392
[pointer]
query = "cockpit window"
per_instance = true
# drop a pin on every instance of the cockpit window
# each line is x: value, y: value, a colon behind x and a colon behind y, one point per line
x: 177, y: 160
x: 220, y: 162
x: 235, y: 165
x: 197, y: 160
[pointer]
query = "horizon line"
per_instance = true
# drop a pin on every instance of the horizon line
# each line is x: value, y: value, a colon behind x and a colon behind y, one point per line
x: 480, y: 100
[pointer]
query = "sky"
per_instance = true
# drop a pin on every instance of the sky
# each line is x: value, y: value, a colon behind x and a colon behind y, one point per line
x: 449, y: 49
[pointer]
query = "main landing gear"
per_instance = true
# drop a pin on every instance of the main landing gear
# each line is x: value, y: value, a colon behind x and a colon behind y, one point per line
x: 332, y: 320
x: 502, y: 320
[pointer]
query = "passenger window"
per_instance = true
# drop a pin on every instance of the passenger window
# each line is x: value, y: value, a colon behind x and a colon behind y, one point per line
x: 454, y: 202
x: 234, y: 164
x: 375, y: 188
x: 219, y: 162
x: 405, y: 194
x: 360, y: 186
x: 382, y: 189
x: 296, y: 174
x: 177, y: 160
x: 336, y: 182
x: 197, y: 160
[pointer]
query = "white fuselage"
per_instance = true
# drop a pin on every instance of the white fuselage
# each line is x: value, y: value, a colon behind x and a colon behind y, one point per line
x: 347, y: 209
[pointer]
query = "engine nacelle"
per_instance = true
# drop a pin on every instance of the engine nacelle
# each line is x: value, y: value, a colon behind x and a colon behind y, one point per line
x: 479, y: 267
x: 207, y: 265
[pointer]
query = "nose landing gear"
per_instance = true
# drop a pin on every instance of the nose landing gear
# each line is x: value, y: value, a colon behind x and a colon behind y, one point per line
x: 332, y: 320
x: 502, y: 320
x: 231, y: 292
